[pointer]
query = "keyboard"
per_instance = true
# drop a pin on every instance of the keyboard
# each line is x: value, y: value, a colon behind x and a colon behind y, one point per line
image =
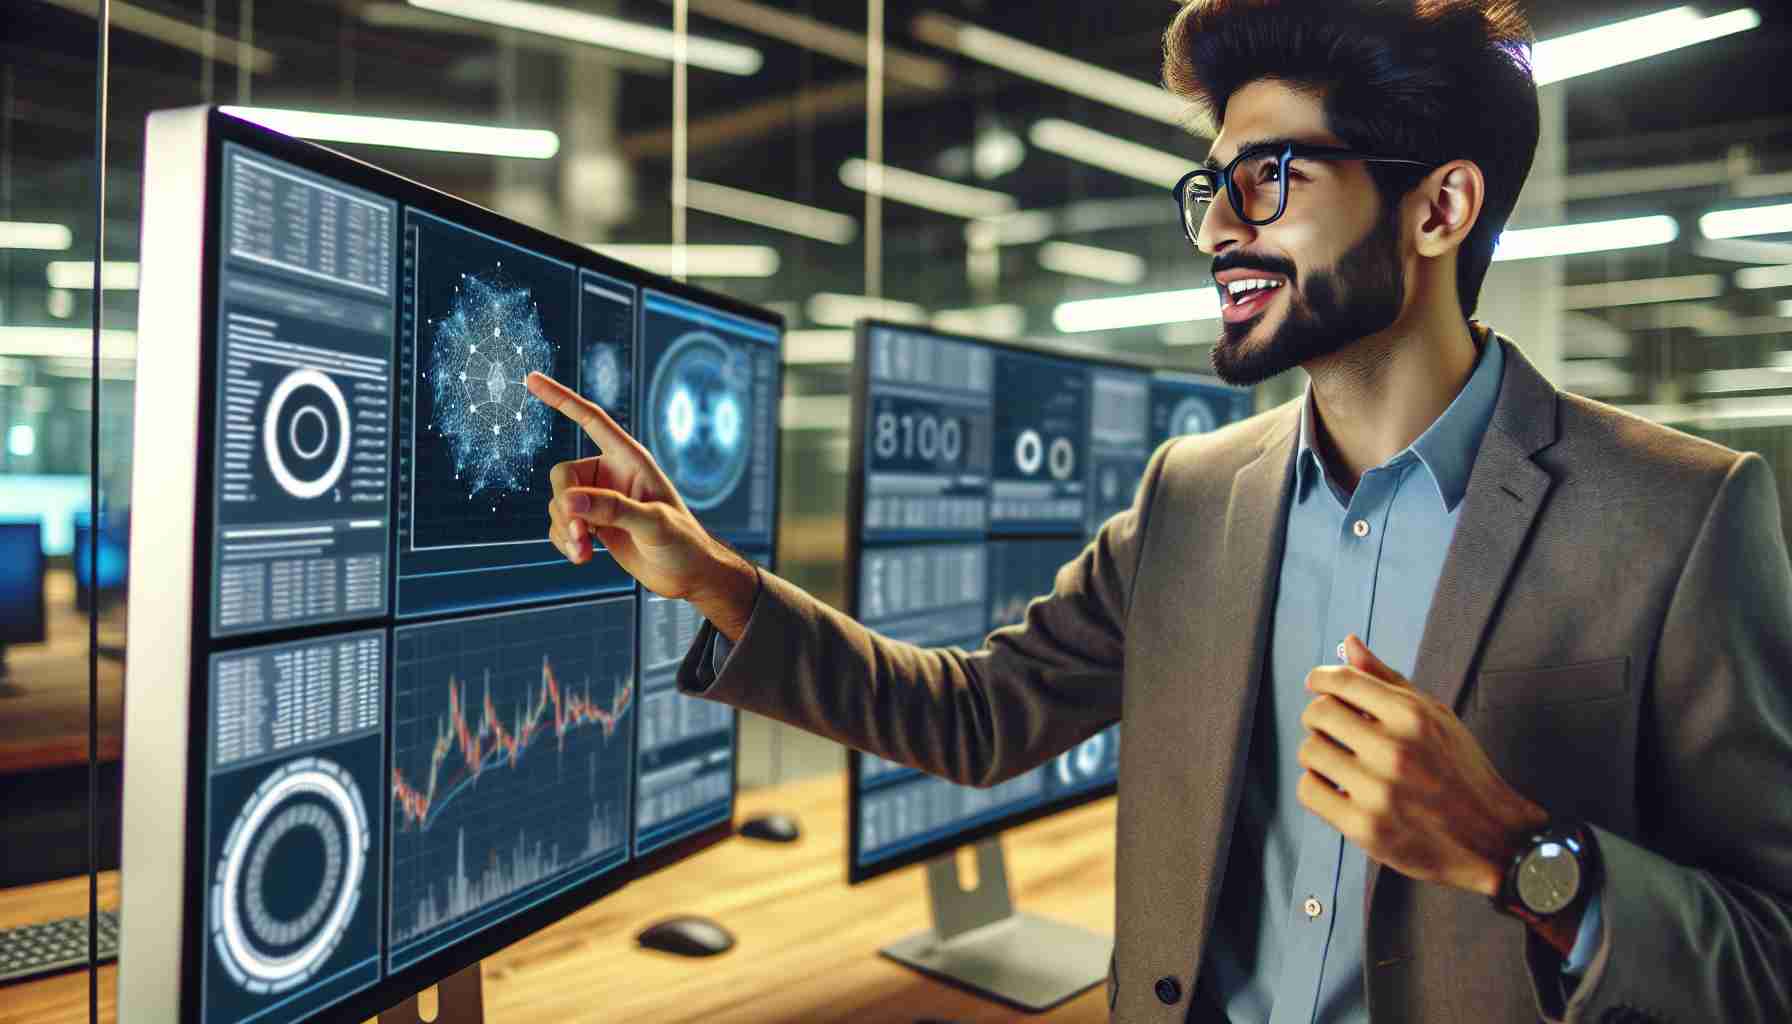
x: 34, y: 949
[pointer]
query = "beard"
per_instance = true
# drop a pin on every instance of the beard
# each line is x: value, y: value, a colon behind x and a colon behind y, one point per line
x: 1357, y: 297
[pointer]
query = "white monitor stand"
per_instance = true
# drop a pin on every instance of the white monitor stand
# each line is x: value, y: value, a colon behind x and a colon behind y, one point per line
x: 979, y: 942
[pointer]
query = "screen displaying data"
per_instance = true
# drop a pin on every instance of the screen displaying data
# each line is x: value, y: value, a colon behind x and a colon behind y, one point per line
x: 480, y: 315
x: 685, y: 761
x: 512, y: 754
x: 1188, y: 404
x: 983, y: 470
x: 302, y: 496
x: 425, y: 732
x: 928, y: 416
x: 293, y: 825
x: 710, y: 405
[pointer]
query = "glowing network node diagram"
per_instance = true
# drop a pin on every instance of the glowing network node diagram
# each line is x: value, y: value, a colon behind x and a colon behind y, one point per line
x: 481, y: 354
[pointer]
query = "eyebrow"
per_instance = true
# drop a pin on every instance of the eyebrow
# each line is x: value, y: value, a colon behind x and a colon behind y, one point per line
x: 1273, y: 143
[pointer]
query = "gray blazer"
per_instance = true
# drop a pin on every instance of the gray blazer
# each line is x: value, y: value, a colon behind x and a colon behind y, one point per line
x: 1613, y: 623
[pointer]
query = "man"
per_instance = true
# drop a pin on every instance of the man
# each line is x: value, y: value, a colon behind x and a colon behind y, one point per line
x: 1526, y: 651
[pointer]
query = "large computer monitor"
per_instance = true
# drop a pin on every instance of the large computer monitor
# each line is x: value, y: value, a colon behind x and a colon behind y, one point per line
x: 979, y: 468
x: 378, y: 727
x: 22, y: 615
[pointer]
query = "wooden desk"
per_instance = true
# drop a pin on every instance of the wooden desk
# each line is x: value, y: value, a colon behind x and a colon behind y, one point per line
x: 806, y: 942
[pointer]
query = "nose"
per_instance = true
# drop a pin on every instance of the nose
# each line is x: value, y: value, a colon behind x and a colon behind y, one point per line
x: 1221, y: 229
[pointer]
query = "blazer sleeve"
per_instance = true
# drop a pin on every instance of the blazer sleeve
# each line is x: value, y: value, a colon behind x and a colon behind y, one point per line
x: 978, y: 718
x: 1698, y: 926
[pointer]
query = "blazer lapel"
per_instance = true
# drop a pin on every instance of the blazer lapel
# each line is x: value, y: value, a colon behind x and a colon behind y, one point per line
x: 1506, y: 490
x: 1253, y: 533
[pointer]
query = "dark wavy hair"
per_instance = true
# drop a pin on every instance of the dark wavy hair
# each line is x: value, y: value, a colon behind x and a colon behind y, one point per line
x: 1433, y: 80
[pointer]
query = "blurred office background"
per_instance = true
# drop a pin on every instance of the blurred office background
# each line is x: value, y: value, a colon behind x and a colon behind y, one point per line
x: 977, y: 165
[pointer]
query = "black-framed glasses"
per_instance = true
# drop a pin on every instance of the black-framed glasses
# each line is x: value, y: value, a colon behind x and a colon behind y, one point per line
x: 1256, y: 181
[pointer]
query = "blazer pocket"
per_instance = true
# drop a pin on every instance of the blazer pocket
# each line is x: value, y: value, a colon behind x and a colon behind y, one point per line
x: 1556, y: 684
x: 1564, y: 736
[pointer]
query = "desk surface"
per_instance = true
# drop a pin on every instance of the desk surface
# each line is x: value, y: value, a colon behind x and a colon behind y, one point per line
x: 806, y: 945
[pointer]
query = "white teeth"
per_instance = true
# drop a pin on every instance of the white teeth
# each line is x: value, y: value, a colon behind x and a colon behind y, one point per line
x: 1237, y: 288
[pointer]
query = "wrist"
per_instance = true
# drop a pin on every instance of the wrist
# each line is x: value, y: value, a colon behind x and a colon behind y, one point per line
x: 728, y: 590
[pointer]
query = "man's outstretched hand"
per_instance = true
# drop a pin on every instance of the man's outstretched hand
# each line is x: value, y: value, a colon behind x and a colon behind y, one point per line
x: 623, y: 500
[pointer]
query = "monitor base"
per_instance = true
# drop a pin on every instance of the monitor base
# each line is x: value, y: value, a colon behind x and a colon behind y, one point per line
x: 460, y: 999
x: 978, y: 941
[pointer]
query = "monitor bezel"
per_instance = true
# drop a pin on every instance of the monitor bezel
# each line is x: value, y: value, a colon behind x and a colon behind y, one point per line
x: 860, y: 390
x: 393, y: 987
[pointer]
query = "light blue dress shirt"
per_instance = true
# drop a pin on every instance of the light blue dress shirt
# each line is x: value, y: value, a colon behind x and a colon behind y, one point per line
x: 1287, y: 945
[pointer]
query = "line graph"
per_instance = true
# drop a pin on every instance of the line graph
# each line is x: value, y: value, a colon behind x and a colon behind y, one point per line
x: 491, y: 744
x: 512, y: 747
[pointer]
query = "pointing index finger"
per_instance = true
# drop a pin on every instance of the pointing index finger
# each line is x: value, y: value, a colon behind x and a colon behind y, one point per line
x: 588, y: 415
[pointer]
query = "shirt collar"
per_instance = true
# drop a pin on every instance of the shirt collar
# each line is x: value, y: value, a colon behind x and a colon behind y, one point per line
x: 1447, y: 448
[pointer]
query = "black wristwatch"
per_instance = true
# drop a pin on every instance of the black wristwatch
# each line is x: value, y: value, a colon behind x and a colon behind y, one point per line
x: 1554, y: 869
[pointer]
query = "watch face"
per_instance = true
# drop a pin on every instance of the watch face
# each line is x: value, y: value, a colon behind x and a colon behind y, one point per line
x: 1548, y: 878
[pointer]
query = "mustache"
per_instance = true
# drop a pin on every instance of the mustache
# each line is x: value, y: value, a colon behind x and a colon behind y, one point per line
x: 1252, y: 261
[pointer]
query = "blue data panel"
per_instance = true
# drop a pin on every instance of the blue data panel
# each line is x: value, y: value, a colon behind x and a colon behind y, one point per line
x: 512, y: 746
x: 1187, y: 404
x: 295, y: 757
x: 304, y: 394
x: 1040, y: 477
x: 684, y: 773
x: 709, y: 412
x: 927, y: 437
x: 1119, y: 440
x: 476, y: 447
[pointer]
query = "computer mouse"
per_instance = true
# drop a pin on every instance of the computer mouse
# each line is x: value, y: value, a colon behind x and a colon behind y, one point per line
x: 778, y: 828
x: 686, y: 936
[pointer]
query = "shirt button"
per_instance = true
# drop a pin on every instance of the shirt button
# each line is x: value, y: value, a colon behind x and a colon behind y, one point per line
x: 1360, y: 527
x: 1169, y: 990
x: 1313, y: 907
x: 1341, y: 655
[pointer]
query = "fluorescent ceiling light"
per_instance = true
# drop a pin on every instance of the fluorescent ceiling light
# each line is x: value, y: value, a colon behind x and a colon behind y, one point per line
x: 1786, y: 308
x: 696, y: 260
x: 770, y: 212
x: 1137, y: 310
x: 1636, y: 293
x: 1596, y: 377
x: 1553, y: 60
x: 837, y: 310
x: 77, y: 275
x: 1594, y: 236
x: 1019, y: 228
x: 1002, y: 320
x: 838, y: 43
x: 437, y: 136
x: 1050, y: 67
x: 1753, y: 220
x: 817, y: 348
x: 15, y: 234
x: 66, y: 342
x: 1754, y: 378
x: 175, y: 33
x: 1109, y: 265
x: 1109, y: 152
x: 924, y: 191
x: 602, y: 30
x: 1737, y: 250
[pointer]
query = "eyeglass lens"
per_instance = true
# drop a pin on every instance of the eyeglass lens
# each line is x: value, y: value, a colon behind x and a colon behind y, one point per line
x: 1256, y: 192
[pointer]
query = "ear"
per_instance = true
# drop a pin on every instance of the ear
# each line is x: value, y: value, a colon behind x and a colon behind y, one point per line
x: 1448, y: 204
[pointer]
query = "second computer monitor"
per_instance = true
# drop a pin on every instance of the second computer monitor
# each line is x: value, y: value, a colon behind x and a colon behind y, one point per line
x: 979, y: 469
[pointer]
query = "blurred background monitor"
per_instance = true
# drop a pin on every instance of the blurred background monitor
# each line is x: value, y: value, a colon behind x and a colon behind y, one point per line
x: 978, y: 469
x: 21, y: 585
x: 100, y: 563
x: 52, y: 499
x: 378, y: 726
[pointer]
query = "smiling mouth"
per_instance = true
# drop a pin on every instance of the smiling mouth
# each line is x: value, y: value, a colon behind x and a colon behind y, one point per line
x: 1248, y: 302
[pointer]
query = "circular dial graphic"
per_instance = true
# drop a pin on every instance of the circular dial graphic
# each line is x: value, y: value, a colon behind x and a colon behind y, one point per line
x: 482, y: 352
x: 1084, y: 761
x: 1191, y: 416
x: 698, y: 408
x: 305, y: 433
x: 289, y: 877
